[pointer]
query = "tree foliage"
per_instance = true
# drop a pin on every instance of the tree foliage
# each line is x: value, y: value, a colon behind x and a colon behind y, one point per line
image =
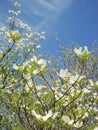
x: 41, y: 94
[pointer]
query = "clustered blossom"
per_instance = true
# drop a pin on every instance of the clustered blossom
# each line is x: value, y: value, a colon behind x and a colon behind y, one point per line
x: 40, y: 65
x: 15, y: 12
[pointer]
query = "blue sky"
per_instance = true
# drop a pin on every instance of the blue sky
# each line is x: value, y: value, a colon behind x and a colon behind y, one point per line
x: 70, y: 20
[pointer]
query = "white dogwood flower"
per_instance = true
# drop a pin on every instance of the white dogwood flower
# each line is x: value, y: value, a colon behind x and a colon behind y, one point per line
x: 13, y: 35
x: 96, y: 128
x: 67, y: 120
x: 80, y: 52
x: 64, y: 73
x: 42, y: 62
x: 78, y: 124
x: 86, y: 91
x: 42, y: 118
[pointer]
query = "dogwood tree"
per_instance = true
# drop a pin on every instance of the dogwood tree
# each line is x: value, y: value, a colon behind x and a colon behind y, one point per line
x: 40, y: 94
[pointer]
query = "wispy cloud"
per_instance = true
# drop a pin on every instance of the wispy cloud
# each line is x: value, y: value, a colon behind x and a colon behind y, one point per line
x: 41, y: 13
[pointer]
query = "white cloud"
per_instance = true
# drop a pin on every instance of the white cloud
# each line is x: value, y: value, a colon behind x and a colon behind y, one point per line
x: 41, y: 13
x: 47, y: 5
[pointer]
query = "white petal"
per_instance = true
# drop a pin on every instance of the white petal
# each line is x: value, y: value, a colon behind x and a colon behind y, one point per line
x: 49, y: 114
x: 55, y: 115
